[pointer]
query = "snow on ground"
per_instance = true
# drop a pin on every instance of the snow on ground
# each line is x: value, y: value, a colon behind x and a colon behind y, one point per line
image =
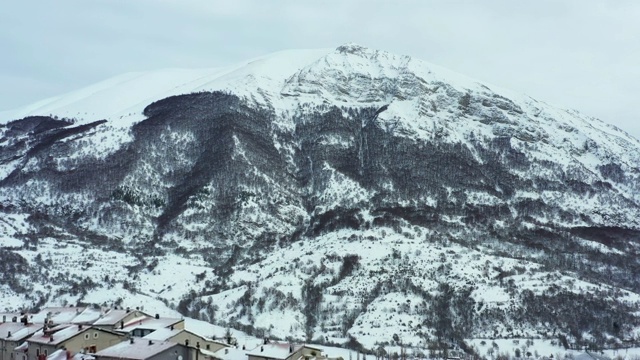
x: 491, y: 348
x: 12, y: 226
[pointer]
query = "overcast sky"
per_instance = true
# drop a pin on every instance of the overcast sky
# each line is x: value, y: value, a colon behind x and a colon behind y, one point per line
x: 582, y: 54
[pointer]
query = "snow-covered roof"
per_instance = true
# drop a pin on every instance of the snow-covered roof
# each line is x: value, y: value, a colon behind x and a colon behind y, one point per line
x: 163, y: 334
x: 138, y: 349
x: 114, y: 316
x: 274, y: 350
x: 59, y: 315
x: 145, y: 322
x: 589, y: 356
x: 22, y: 347
x: 88, y: 316
x: 18, y: 331
x: 65, y: 332
x: 61, y: 354
x: 230, y: 354
x: 81, y: 356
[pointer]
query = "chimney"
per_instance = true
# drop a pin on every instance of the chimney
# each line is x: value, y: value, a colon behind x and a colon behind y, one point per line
x: 150, y: 342
x: 157, y: 316
x: 266, y: 341
x: 121, y: 324
x: 244, y: 347
x: 131, y: 341
x: 261, y: 348
x: 290, y: 348
x: 137, y: 308
x: 226, y: 351
x: 4, y: 319
x: 14, y: 319
x: 9, y: 334
x: 128, y: 309
x: 171, y: 327
x: 79, y: 326
x: 50, y: 338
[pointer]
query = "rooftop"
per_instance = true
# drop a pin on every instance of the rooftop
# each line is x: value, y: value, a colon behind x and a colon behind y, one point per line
x: 145, y: 322
x: 163, y: 334
x: 274, y: 350
x: 138, y: 350
x: 229, y: 354
x: 88, y: 316
x: 18, y: 330
x: 59, y: 315
x: 61, y: 354
x: 60, y: 334
x: 114, y: 316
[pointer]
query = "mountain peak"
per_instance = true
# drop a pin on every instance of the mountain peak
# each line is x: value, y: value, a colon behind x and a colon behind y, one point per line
x: 353, y: 48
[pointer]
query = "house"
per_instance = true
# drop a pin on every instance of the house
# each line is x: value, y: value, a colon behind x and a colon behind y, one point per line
x: 283, y: 351
x: 144, y: 325
x: 144, y: 349
x: 188, y: 338
x: 12, y: 334
x: 75, y: 338
x: 116, y: 318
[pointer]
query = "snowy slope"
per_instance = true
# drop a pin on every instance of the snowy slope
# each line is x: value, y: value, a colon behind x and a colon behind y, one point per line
x: 121, y: 99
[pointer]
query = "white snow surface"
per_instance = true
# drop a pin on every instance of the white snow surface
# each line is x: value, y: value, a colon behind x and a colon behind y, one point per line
x: 121, y: 99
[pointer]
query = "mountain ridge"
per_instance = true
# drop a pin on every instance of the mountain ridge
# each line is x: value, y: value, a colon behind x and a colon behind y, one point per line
x: 353, y: 193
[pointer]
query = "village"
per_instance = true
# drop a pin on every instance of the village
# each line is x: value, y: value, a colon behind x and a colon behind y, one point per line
x: 90, y: 333
x: 85, y: 333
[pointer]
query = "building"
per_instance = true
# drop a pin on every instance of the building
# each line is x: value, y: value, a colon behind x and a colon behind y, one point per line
x: 144, y: 349
x: 283, y: 351
x: 117, y: 318
x: 12, y: 334
x: 187, y: 338
x: 75, y: 338
x: 144, y: 325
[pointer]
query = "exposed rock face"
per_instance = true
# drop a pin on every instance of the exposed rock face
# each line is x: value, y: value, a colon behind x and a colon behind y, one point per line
x: 360, y: 192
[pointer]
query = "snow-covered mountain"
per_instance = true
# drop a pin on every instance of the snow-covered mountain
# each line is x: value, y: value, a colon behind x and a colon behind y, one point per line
x: 337, y: 195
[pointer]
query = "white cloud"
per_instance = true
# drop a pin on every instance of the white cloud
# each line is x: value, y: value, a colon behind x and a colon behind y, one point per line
x: 575, y: 54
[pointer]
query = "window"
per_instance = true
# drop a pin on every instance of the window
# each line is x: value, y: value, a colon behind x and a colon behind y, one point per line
x: 93, y: 349
x: 95, y: 335
x: 46, y: 353
x: 37, y: 352
x: 86, y: 336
